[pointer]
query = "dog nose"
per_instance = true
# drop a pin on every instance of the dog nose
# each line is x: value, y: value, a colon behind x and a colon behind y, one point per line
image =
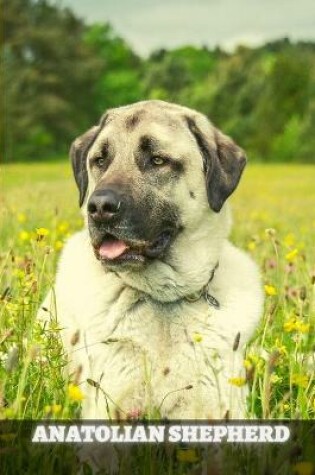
x: 104, y: 204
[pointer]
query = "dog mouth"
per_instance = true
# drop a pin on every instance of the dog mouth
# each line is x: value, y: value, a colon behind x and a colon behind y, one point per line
x: 114, y: 250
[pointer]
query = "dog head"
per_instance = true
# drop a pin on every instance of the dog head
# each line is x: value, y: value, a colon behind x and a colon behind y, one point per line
x: 147, y: 173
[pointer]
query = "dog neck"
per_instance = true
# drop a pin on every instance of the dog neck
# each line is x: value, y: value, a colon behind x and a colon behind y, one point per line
x: 190, y: 266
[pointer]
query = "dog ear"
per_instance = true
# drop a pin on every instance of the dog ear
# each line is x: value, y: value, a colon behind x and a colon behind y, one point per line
x: 78, y: 154
x: 223, y: 161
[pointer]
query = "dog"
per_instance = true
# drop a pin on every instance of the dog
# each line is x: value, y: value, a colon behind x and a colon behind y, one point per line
x: 154, y: 302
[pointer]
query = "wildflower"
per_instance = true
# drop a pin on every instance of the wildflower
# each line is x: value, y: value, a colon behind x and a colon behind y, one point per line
x: 289, y: 240
x: 42, y: 232
x: 300, y: 380
x: 21, y: 217
x: 63, y: 227
x: 58, y: 245
x: 53, y: 409
x: 197, y: 337
x: 270, y: 232
x: 19, y: 273
x: 270, y: 290
x: 247, y: 364
x: 188, y: 455
x: 291, y: 255
x: 303, y: 468
x: 271, y: 263
x: 134, y: 414
x: 56, y: 409
x: 295, y: 324
x: 282, y: 350
x: 251, y: 246
x: 237, y: 381
x: 24, y: 236
x: 75, y: 393
x: 302, y: 327
x: 289, y: 326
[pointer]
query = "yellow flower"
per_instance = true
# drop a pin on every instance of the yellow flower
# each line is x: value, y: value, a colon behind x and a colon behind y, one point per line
x: 188, y: 455
x: 270, y: 232
x: 197, y: 337
x: 42, y: 232
x: 63, y: 227
x: 75, y: 393
x: 58, y: 245
x: 270, y: 290
x: 280, y: 347
x: 247, y: 364
x: 56, y: 408
x: 251, y: 246
x: 237, y: 381
x: 291, y: 255
x: 19, y: 273
x: 289, y: 240
x: 300, y: 380
x: 303, y: 468
x: 21, y: 217
x: 295, y: 324
x: 302, y: 327
x: 24, y: 236
x: 289, y: 326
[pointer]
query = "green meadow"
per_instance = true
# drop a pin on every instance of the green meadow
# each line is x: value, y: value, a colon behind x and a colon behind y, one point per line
x: 274, y: 221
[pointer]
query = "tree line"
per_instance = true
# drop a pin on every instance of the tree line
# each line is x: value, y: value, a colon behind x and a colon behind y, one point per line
x: 58, y: 75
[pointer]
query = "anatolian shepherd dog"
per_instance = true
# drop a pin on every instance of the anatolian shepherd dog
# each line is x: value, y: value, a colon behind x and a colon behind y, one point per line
x: 154, y: 303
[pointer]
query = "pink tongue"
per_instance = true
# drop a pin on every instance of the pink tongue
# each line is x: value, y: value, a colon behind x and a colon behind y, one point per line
x: 112, y: 249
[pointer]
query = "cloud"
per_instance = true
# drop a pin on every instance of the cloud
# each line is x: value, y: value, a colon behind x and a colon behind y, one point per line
x: 153, y: 24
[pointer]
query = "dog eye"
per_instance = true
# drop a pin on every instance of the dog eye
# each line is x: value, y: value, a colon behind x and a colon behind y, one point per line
x: 99, y: 162
x: 159, y: 161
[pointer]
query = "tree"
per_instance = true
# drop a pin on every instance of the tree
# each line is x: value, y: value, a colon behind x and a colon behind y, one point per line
x: 48, y: 73
x: 119, y: 79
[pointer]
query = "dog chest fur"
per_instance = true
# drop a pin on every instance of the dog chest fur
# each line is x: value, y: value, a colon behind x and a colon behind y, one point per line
x: 140, y: 350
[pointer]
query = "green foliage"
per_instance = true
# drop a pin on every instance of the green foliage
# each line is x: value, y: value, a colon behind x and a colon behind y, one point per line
x: 60, y: 75
x: 118, y: 82
x: 46, y: 73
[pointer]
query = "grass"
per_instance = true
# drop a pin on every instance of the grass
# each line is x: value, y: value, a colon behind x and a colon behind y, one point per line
x: 274, y: 220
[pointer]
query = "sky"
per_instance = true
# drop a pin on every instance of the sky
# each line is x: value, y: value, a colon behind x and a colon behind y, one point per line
x: 148, y: 25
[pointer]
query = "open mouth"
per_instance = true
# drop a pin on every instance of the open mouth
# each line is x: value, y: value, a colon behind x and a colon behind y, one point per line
x: 115, y: 250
